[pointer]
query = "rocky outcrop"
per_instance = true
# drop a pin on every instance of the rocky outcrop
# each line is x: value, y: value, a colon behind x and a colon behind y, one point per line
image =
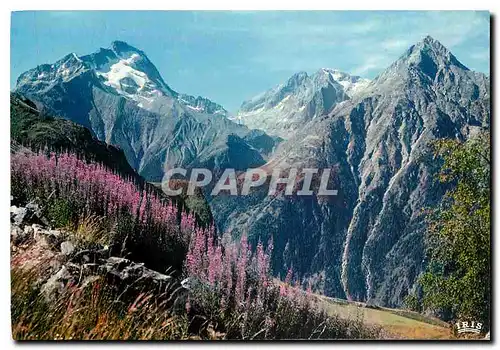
x: 60, y: 261
x: 30, y: 214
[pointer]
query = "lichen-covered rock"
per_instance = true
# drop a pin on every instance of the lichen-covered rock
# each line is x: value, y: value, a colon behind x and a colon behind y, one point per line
x: 57, y: 283
x: 18, y: 235
x: 67, y: 247
x: 131, y: 273
x: 30, y: 214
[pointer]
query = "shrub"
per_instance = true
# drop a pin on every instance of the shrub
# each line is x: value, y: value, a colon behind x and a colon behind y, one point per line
x: 61, y: 212
x: 412, y: 303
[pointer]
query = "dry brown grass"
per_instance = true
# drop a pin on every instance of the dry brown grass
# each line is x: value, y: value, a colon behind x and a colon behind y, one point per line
x: 92, y: 229
x: 89, y: 313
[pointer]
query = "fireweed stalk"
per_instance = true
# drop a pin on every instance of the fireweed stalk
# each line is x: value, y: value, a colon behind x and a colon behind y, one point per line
x: 232, y: 285
x: 95, y: 188
x: 240, y: 275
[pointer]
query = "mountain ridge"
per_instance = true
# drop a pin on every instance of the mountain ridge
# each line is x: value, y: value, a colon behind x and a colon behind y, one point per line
x: 119, y: 95
x: 282, y: 109
x: 367, y: 243
x: 108, y: 63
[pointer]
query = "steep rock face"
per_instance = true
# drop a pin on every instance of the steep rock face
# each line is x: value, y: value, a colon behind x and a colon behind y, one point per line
x: 284, y: 109
x: 367, y: 242
x: 425, y: 95
x: 120, y: 96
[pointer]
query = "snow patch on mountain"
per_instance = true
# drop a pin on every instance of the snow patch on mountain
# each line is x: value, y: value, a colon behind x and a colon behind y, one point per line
x: 352, y: 84
x: 122, y: 76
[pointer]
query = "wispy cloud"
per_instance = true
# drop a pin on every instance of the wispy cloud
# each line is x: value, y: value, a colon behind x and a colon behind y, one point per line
x: 395, y: 44
x: 481, y: 55
x: 365, y: 43
x: 372, y: 64
x: 365, y: 27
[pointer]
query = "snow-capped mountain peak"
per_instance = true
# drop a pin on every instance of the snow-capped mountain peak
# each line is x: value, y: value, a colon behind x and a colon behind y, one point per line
x: 285, y: 108
x: 120, y: 69
x: 128, y: 71
x: 122, y: 75
x: 45, y: 76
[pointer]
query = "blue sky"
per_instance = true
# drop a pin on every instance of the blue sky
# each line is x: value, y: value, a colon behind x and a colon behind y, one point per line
x: 231, y: 56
